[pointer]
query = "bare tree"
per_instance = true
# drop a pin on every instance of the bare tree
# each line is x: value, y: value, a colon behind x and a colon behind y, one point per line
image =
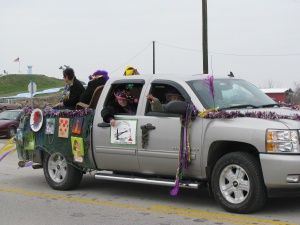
x: 271, y: 84
x: 296, y: 92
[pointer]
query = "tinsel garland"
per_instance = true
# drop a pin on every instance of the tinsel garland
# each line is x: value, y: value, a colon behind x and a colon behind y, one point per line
x: 59, y: 113
x: 215, y: 114
x: 184, y: 157
x: 209, y: 82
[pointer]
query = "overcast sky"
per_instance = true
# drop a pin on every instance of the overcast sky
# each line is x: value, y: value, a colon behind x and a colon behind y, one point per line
x: 258, y: 40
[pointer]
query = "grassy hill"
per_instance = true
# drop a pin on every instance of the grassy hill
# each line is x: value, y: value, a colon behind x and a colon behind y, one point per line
x: 13, y: 84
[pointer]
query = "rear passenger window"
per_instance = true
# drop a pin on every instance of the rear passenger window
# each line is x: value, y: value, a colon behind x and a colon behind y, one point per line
x: 132, y: 91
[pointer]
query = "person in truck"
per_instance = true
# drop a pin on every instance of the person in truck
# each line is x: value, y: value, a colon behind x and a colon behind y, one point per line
x: 172, y: 95
x: 72, y: 95
x: 97, y: 79
x: 124, y: 103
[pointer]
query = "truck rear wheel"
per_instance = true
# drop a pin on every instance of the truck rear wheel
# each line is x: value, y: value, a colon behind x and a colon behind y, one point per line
x: 237, y: 183
x: 60, y: 174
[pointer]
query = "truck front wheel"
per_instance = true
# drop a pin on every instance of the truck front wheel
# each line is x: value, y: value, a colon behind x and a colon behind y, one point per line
x: 60, y: 174
x: 237, y: 183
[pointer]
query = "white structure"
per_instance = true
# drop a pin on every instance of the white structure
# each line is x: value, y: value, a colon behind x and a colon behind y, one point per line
x: 29, y: 70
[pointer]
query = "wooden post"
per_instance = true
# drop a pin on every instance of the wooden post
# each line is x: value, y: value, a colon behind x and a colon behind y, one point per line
x: 153, y: 57
x: 204, y: 37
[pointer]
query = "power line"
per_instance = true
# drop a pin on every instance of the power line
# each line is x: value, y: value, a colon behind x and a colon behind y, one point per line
x: 198, y: 51
x: 233, y: 54
x: 131, y: 58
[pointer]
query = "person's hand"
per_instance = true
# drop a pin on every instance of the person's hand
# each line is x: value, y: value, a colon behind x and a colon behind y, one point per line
x: 150, y: 97
x: 60, y: 104
x: 112, y: 122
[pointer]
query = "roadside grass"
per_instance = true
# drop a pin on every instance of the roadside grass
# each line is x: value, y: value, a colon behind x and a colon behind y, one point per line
x: 13, y: 84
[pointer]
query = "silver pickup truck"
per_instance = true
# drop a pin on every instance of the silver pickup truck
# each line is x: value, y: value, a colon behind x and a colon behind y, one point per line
x: 226, y: 135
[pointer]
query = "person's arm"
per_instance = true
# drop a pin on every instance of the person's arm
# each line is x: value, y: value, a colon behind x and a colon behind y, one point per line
x: 156, y: 105
x: 107, y: 114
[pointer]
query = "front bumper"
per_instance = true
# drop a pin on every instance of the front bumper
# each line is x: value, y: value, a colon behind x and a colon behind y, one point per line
x: 3, y: 132
x: 281, y: 171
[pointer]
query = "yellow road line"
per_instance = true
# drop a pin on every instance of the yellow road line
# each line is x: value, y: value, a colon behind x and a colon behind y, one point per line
x: 182, y: 212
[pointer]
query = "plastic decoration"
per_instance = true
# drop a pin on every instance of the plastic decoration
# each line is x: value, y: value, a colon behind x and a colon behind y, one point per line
x: 8, y: 148
x: 36, y: 120
x: 209, y: 81
x: 184, y: 157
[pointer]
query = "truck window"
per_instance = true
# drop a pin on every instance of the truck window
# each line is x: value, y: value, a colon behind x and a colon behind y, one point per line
x: 163, y: 94
x: 132, y: 89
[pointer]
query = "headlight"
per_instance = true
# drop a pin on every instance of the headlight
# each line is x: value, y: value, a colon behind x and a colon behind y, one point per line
x: 282, y: 141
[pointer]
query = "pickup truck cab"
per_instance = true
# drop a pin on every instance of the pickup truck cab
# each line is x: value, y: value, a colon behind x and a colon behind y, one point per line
x: 226, y: 134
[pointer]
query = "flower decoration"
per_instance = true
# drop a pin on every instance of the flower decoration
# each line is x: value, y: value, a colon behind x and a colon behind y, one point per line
x: 65, y: 92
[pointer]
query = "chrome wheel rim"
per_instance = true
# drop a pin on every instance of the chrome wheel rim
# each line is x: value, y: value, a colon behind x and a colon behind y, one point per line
x: 234, y: 184
x: 57, y: 167
x: 12, y: 132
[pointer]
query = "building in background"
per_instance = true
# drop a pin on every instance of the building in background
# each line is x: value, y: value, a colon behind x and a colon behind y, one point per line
x: 279, y: 94
x: 29, y: 69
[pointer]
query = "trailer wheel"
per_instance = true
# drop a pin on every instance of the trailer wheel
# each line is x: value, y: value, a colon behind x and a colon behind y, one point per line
x: 60, y: 174
x: 237, y: 183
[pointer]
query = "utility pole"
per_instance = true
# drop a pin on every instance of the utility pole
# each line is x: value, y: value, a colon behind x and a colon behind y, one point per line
x: 153, y: 57
x: 204, y: 37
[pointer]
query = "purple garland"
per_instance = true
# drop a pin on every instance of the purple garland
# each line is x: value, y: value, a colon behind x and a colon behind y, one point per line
x: 214, y: 114
x: 60, y: 113
x: 184, y: 144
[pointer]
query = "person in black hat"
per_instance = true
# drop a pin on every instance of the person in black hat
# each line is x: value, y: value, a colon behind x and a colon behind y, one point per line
x: 124, y: 103
x: 74, y: 89
x: 97, y: 79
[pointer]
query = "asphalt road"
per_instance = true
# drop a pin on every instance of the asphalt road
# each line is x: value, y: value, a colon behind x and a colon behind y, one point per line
x: 26, y: 198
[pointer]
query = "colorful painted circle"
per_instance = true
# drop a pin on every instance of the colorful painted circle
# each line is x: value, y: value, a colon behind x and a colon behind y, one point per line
x: 36, y: 120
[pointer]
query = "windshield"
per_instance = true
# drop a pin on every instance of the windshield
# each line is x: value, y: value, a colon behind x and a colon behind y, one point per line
x: 230, y: 93
x: 10, y: 115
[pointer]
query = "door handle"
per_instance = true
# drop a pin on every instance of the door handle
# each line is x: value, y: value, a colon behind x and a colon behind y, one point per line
x: 103, y: 124
x: 148, y: 126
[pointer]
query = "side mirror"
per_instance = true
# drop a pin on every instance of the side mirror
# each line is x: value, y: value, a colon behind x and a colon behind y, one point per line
x: 176, y: 107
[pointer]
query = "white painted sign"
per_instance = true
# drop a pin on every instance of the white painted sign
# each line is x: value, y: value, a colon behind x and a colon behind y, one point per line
x: 32, y: 87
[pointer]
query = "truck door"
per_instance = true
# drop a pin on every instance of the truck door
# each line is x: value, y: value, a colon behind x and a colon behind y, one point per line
x: 115, y: 148
x: 158, y: 149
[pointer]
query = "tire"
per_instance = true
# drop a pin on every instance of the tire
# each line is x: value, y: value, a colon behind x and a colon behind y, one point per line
x: 4, y: 108
x: 11, y: 132
x: 237, y: 183
x: 60, y: 174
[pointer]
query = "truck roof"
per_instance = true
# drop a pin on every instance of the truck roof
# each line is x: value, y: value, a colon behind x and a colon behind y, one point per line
x: 179, y: 76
